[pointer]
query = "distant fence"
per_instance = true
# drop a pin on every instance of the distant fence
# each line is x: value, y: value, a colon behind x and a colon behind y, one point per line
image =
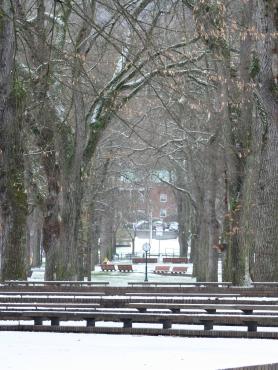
x: 166, y: 235
x: 130, y: 256
x: 143, y: 260
x: 175, y: 260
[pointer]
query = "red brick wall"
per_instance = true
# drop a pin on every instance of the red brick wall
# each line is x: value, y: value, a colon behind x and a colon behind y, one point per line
x: 170, y: 205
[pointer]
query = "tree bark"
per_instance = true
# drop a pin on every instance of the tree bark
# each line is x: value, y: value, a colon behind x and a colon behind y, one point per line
x: 213, y: 225
x: 264, y: 254
x: 13, y: 198
x: 34, y: 236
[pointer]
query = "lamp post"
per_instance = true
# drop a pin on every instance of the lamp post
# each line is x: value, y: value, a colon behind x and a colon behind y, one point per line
x: 146, y: 249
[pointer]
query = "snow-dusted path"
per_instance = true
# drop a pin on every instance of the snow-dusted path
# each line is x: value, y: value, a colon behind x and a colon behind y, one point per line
x: 46, y: 351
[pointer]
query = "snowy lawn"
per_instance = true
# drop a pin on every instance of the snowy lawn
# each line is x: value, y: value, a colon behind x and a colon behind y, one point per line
x: 48, y: 351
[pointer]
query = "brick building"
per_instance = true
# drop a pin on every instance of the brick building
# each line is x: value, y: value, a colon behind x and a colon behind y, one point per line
x: 153, y: 196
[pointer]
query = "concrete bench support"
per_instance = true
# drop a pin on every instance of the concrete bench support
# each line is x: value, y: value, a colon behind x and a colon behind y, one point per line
x: 91, y: 322
x: 252, y: 325
x: 127, y: 323
x: 248, y: 312
x: 167, y: 324
x: 55, y: 321
x: 142, y: 310
x: 211, y: 310
x: 208, y: 324
x: 38, y: 321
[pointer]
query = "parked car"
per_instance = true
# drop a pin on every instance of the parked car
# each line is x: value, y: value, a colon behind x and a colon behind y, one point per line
x: 142, y: 225
x: 159, y: 224
x: 174, y: 226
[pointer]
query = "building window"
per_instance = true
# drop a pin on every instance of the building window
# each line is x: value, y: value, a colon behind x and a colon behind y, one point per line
x: 163, y: 213
x: 163, y: 198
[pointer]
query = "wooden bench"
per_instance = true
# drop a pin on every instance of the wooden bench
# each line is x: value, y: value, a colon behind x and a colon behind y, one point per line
x: 127, y: 318
x: 108, y: 267
x: 189, y: 284
x: 162, y: 269
x: 143, y: 305
x: 125, y: 268
x: 179, y: 270
x: 210, y: 308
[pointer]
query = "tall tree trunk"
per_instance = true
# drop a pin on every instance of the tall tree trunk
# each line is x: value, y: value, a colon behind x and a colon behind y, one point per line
x: 184, y: 210
x: 264, y: 257
x: 201, y: 252
x: 61, y: 221
x: 234, y: 264
x: 34, y: 236
x: 244, y: 137
x: 182, y: 216
x: 12, y: 192
x: 211, y: 21
x: 107, y: 237
x: 213, y: 226
x: 52, y: 219
x: 71, y: 212
x: 95, y: 236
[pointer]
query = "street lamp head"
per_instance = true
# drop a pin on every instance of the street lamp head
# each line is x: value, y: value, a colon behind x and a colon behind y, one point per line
x: 146, y: 247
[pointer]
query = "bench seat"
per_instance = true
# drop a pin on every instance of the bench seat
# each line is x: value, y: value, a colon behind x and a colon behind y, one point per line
x: 125, y: 268
x: 206, y: 320
x: 162, y: 269
x: 179, y: 270
x: 108, y: 267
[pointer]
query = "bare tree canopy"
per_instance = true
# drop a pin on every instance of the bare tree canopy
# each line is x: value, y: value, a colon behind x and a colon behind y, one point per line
x: 94, y: 90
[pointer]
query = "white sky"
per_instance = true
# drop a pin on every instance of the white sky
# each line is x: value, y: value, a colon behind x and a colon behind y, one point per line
x: 51, y: 351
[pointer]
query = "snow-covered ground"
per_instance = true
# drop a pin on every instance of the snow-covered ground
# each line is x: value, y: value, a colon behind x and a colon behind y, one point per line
x: 158, y: 247
x: 115, y: 278
x: 45, y: 351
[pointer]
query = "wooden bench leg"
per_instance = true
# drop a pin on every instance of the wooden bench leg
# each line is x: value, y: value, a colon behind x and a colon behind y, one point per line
x: 142, y: 310
x: 91, y: 322
x: 248, y: 311
x: 127, y: 323
x: 55, y: 321
x: 38, y: 321
x: 251, y: 325
x: 167, y: 324
x: 208, y: 324
x: 211, y: 310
